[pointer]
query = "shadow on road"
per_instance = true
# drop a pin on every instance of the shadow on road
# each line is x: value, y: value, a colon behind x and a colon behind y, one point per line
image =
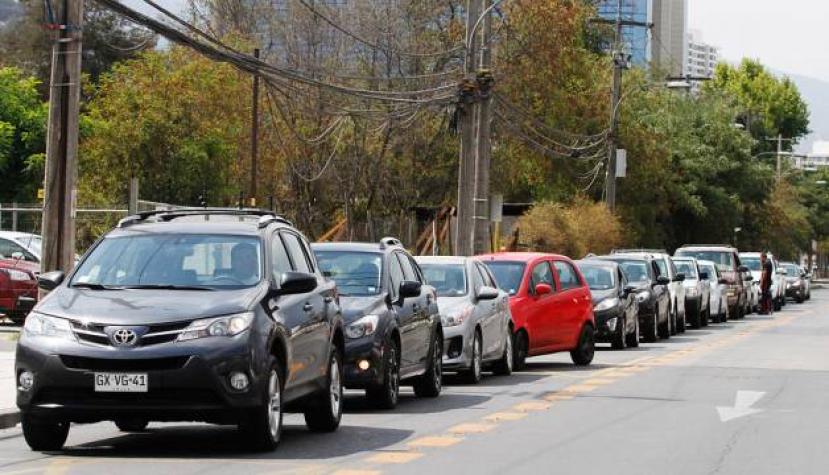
x: 494, y: 381
x: 355, y: 402
x: 224, y: 442
x: 564, y: 367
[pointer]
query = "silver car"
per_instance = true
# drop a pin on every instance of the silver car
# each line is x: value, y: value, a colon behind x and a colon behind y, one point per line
x: 476, y: 317
x: 697, y: 291
x: 718, y: 300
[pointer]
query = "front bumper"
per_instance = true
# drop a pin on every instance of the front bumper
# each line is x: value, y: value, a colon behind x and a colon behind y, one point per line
x: 795, y: 292
x: 186, y: 381
x: 457, y: 347
x: 603, y: 332
x: 693, y: 305
x: 368, y: 349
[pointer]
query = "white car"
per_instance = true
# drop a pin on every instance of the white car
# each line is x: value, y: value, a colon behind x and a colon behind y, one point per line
x: 778, y: 280
x: 18, y: 245
x: 718, y: 300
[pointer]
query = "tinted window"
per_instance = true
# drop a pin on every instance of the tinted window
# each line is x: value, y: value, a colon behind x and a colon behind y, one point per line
x: 567, y: 275
x: 297, y: 253
x: 542, y: 274
x: 597, y: 277
x: 279, y: 258
x: 395, y: 275
x: 485, y: 276
x: 173, y: 260
x: 662, y: 266
x: 448, y: 279
x: 7, y: 248
x: 406, y: 265
x: 356, y: 273
x: 508, y: 275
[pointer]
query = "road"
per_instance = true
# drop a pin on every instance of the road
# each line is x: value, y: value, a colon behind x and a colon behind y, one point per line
x: 744, y: 397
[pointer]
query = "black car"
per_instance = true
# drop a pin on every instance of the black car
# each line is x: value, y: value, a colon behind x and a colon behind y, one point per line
x: 392, y: 323
x: 652, y: 293
x: 211, y: 315
x: 615, y: 306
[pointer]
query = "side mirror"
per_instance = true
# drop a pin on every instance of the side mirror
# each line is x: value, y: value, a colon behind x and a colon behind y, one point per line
x: 628, y: 290
x: 487, y: 293
x: 662, y: 280
x: 703, y: 275
x: 543, y: 289
x: 679, y: 277
x: 50, y: 280
x: 409, y: 288
x: 296, y: 283
x: 743, y: 269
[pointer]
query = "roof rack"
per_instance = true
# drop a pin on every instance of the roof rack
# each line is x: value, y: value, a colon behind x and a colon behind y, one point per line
x: 266, y: 217
x: 390, y: 242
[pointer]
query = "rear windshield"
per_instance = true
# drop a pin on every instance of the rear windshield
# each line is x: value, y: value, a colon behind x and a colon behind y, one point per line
x: 723, y: 259
x: 173, y: 260
x: 356, y: 273
x: 448, y: 279
x: 507, y: 274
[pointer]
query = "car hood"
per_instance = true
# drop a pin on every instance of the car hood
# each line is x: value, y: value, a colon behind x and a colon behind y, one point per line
x: 145, y: 306
x: 355, y: 307
x: 599, y: 295
x: 449, y: 305
x: 689, y: 283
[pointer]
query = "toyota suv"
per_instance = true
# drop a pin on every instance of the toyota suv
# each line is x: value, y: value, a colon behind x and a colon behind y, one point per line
x: 214, y: 315
x: 735, y: 274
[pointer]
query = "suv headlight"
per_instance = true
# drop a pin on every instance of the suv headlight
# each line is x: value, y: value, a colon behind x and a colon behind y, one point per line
x: 456, y: 318
x: 364, y: 326
x: 228, y: 325
x: 38, y: 324
x: 606, y: 304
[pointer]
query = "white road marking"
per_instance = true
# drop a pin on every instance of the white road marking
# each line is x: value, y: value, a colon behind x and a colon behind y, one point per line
x: 742, y: 405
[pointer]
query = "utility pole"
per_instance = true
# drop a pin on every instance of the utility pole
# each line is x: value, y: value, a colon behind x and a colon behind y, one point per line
x: 467, y: 112
x: 779, y: 139
x: 485, y: 79
x: 619, y: 63
x: 254, y: 135
x: 58, y: 225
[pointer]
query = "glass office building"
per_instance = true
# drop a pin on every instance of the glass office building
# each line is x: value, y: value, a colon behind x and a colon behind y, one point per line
x: 636, y: 38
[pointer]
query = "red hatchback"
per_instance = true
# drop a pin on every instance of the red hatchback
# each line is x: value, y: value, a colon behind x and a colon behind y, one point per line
x: 18, y: 288
x: 550, y: 302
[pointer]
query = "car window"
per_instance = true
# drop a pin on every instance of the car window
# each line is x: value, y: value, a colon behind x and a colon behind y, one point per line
x: 8, y: 248
x: 449, y: 280
x: 406, y: 265
x: 395, y: 275
x: 542, y: 274
x: 356, y: 273
x: 508, y: 275
x: 418, y: 271
x: 597, y: 277
x: 662, y: 266
x: 485, y: 276
x: 295, y: 250
x: 687, y: 268
x: 567, y: 275
x: 280, y: 263
x: 478, y: 278
x: 656, y: 270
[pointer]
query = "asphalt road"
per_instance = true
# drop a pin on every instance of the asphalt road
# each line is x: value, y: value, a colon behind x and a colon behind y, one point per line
x: 744, y: 397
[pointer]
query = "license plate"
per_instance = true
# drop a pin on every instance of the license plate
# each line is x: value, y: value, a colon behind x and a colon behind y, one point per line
x: 121, y: 382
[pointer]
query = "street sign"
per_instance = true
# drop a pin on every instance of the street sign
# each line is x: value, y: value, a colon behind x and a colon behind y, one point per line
x: 621, y: 163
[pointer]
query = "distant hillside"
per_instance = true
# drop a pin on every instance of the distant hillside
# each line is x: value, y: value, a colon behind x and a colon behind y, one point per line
x: 816, y: 94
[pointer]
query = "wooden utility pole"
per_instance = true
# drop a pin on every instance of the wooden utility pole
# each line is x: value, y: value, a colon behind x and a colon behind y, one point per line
x: 467, y: 111
x: 485, y: 79
x: 779, y: 139
x: 62, y: 140
x: 254, y: 135
x: 619, y: 64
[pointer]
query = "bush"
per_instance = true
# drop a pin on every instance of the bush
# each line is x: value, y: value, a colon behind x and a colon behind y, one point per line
x: 572, y: 230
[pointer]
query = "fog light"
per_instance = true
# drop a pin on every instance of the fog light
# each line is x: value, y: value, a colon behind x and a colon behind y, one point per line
x: 239, y: 381
x: 26, y: 380
x: 611, y: 324
x: 363, y: 365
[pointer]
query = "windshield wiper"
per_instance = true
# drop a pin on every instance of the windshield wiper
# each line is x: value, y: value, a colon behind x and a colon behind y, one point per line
x: 168, y: 287
x: 94, y: 286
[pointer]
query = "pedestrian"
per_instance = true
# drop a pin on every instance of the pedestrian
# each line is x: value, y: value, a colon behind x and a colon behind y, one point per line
x: 765, y: 284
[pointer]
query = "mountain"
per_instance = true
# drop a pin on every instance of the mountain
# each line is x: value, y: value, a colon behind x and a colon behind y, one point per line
x: 816, y: 94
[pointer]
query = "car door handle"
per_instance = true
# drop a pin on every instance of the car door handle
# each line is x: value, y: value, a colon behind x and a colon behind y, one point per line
x: 307, y: 307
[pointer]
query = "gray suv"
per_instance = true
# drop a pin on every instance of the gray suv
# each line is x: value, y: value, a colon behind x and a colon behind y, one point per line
x: 213, y: 315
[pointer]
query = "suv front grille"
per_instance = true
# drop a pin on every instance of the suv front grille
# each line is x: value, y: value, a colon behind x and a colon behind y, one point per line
x: 107, y: 364
x: 161, y: 333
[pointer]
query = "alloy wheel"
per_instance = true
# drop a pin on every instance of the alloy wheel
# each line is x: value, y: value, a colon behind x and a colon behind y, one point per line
x: 393, y: 375
x: 274, y: 405
x: 336, y: 389
x: 509, y: 350
x: 476, y: 357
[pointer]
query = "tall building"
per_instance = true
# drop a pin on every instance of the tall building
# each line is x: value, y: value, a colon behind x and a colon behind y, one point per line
x: 669, y: 48
x: 702, y: 57
x: 635, y: 38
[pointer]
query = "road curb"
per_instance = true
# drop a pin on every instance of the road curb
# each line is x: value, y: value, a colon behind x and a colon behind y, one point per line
x: 9, y: 418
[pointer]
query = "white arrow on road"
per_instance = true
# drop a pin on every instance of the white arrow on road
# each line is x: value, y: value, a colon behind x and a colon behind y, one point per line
x: 742, y: 405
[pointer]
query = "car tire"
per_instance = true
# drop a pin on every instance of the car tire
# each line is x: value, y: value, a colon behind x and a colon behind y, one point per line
x: 261, y: 427
x: 583, y: 354
x: 430, y: 383
x: 683, y: 322
x: 44, y: 435
x: 521, y: 349
x: 619, y: 337
x: 324, y: 412
x: 503, y: 367
x: 473, y: 374
x: 132, y: 424
x: 387, y: 394
x: 696, y: 320
x: 651, y: 333
x: 777, y: 305
x: 632, y: 339
x: 673, y: 316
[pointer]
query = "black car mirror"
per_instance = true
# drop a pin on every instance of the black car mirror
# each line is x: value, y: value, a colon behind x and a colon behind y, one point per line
x: 50, y: 280
x: 409, y: 288
x: 679, y: 277
x: 662, y: 280
x: 703, y: 275
x: 487, y: 293
x: 296, y: 283
x: 743, y: 269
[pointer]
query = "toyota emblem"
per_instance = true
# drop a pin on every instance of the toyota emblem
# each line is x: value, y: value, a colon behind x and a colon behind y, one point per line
x: 124, y: 337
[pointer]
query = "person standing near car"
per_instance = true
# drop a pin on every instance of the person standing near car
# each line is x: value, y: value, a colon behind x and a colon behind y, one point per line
x: 765, y: 284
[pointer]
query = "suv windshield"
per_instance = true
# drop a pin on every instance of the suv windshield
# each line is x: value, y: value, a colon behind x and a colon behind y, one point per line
x: 791, y: 270
x: 356, y: 273
x: 687, y: 268
x: 448, y: 279
x: 508, y: 274
x: 753, y: 263
x: 723, y: 259
x: 598, y: 277
x: 172, y: 261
